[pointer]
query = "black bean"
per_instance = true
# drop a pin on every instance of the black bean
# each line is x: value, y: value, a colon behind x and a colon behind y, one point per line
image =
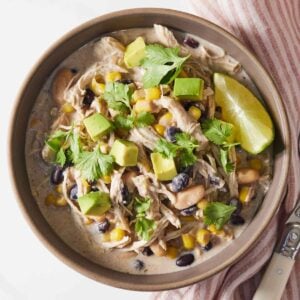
x: 237, y: 220
x: 237, y: 203
x: 147, y: 251
x: 126, y: 197
x: 180, y: 182
x: 73, y: 192
x: 125, y: 81
x: 171, y: 133
x: 189, y: 211
x: 208, y: 246
x: 138, y: 264
x: 94, y: 189
x: 187, y: 170
x: 185, y: 260
x: 103, y: 226
x: 88, y: 98
x: 189, y: 41
x: 57, y: 176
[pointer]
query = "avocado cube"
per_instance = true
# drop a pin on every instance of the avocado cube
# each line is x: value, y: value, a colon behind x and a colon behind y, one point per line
x: 94, y: 203
x: 97, y: 126
x: 134, y: 53
x: 164, y: 168
x: 189, y: 88
x: 125, y: 153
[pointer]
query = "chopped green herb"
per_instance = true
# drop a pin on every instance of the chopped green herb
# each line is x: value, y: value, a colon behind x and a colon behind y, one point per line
x: 94, y: 165
x: 162, y: 65
x: 144, y: 228
x: 183, y: 149
x: 218, y: 213
x: 217, y: 131
x: 118, y: 95
x: 65, y: 145
x: 140, y: 120
x: 227, y: 165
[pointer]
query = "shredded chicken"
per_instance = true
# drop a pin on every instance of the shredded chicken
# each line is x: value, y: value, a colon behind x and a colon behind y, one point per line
x: 145, y: 136
x: 184, y: 121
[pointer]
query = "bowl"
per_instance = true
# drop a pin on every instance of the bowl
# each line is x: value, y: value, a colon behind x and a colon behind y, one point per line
x: 146, y: 18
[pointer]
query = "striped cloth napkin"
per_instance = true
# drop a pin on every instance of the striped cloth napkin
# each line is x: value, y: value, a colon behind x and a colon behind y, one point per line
x: 271, y: 30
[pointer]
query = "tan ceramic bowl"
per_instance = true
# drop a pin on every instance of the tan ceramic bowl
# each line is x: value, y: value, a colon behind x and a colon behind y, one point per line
x: 146, y: 18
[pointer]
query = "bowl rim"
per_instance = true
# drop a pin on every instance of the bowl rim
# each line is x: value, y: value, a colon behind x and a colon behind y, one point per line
x: 55, y: 249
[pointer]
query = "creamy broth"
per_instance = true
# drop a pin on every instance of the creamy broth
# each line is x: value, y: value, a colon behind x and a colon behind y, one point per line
x: 85, y: 239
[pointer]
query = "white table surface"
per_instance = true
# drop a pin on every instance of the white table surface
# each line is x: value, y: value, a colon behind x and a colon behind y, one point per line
x: 27, y: 28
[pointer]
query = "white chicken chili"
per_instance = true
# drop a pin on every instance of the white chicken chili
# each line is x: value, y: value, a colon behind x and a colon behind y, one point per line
x: 143, y: 150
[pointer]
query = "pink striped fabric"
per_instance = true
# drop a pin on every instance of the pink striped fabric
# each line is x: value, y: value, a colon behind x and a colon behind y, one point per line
x: 270, y: 29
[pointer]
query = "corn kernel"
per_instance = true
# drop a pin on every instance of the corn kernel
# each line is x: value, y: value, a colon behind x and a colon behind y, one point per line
x: 88, y: 221
x: 203, y: 237
x: 187, y: 218
x: 59, y: 189
x: 159, y: 129
x: 105, y: 237
x: 202, y: 204
x: 112, y: 76
x: 244, y: 194
x: 67, y: 108
x: 85, y: 183
x: 256, y: 164
x: 107, y: 179
x: 212, y: 228
x: 166, y: 119
x: 172, y: 252
x: 97, y: 87
x: 137, y: 96
x: 61, y: 202
x: 194, y: 112
x: 152, y: 93
x: 188, y: 241
x: 144, y: 106
x: 50, y: 199
x: 117, y: 234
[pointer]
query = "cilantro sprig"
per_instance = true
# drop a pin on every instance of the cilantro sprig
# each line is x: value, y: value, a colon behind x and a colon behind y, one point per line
x: 95, y: 164
x: 218, y: 214
x: 118, y: 95
x: 65, y: 145
x: 162, y: 65
x: 134, y: 120
x: 144, y: 227
x: 219, y: 132
x: 182, y: 149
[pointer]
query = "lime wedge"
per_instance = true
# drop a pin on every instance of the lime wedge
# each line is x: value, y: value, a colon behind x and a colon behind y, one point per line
x: 253, y: 126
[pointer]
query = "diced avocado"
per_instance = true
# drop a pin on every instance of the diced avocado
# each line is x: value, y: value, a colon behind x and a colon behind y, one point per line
x: 97, y: 126
x: 94, y: 203
x: 134, y: 53
x: 164, y: 168
x: 125, y: 153
x: 189, y: 88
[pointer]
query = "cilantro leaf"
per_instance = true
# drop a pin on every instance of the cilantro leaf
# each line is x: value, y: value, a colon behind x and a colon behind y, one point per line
x: 61, y: 157
x: 56, y: 140
x: 75, y: 147
x: 141, y: 205
x: 94, y: 165
x: 124, y: 122
x: 186, y: 158
x: 161, y: 65
x: 166, y: 149
x: 144, y: 228
x: 128, y: 122
x: 144, y: 119
x: 218, y: 213
x: 118, y: 95
x: 226, y: 164
x: 186, y: 141
x: 217, y: 131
